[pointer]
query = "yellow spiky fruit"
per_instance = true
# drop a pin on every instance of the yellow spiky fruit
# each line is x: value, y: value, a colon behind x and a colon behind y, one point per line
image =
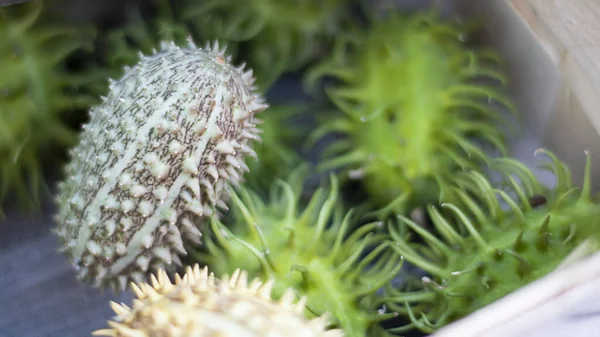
x: 200, y: 305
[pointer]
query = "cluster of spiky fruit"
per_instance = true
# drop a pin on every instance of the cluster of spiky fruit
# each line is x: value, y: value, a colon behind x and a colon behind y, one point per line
x: 412, y: 108
x: 198, y: 304
x: 155, y: 158
x: 164, y: 154
x: 480, y: 249
x: 36, y: 95
x: 313, y: 250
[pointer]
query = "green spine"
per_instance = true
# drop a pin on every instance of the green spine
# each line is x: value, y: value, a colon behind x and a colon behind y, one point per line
x: 277, y: 36
x: 312, y: 250
x: 276, y: 156
x: 411, y: 109
x: 494, y: 241
x: 37, y: 95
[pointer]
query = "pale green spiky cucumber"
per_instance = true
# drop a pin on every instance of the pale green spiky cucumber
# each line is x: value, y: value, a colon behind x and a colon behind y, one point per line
x: 156, y: 155
x: 278, y: 35
x: 37, y: 95
x: 494, y: 241
x: 412, y: 111
x: 310, y: 249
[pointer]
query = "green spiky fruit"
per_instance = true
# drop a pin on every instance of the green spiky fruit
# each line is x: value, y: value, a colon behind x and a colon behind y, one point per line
x: 308, y: 249
x: 279, y: 35
x: 412, y: 111
x: 275, y: 153
x: 36, y: 95
x: 486, y: 247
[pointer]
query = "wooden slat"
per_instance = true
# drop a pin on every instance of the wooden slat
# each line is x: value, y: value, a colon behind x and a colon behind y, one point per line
x: 576, y: 26
x: 552, y: 50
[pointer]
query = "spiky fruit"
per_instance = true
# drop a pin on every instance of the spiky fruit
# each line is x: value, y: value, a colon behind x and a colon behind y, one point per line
x: 413, y: 110
x: 156, y: 156
x: 308, y: 249
x: 201, y: 305
x: 487, y: 247
x: 36, y: 96
x: 276, y: 36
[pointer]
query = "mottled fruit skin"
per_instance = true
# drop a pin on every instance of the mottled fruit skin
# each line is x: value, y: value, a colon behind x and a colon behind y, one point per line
x: 155, y: 157
x: 494, y: 241
x: 200, y: 305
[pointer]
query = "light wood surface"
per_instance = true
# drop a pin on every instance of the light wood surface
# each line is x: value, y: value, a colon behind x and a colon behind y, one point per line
x: 552, y: 53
